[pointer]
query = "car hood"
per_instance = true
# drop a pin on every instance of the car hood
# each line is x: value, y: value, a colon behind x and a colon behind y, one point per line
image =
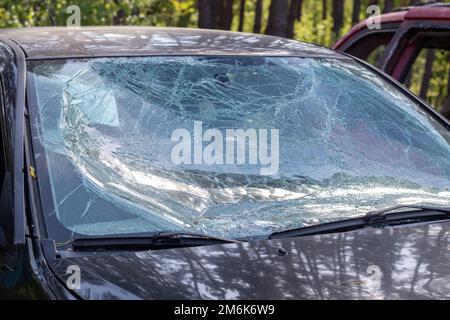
x: 392, y: 263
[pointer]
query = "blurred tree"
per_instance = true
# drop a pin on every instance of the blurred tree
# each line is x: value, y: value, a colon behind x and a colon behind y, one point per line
x: 225, y: 14
x: 356, y: 11
x: 258, y: 16
x: 278, y: 12
x: 119, y: 16
x: 206, y: 14
x: 388, y: 6
x: 51, y: 6
x: 338, y: 17
x: 215, y: 14
x: 295, y: 14
x: 324, y: 9
x: 427, y: 74
x: 241, y: 15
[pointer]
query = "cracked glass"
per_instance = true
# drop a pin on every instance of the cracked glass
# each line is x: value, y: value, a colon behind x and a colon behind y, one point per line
x: 350, y: 142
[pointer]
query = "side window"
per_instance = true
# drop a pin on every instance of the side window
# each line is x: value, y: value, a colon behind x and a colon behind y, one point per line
x: 429, y: 74
x: 371, y: 47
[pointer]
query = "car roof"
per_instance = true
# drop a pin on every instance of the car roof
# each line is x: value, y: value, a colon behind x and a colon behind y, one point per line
x: 60, y: 42
x: 429, y: 13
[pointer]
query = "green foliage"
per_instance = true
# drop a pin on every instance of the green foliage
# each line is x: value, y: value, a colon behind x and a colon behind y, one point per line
x: 176, y: 13
x: 29, y: 13
x: 437, y: 91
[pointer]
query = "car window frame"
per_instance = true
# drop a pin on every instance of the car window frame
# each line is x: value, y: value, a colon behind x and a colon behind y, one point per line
x: 6, y: 139
x: 9, y: 255
x: 360, y: 35
x: 5, y: 156
x: 397, y: 49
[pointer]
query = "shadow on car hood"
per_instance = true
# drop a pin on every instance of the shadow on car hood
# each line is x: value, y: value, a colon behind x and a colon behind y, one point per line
x: 393, y: 263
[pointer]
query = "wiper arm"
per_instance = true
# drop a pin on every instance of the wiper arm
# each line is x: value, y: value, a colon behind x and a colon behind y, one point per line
x: 159, y: 240
x: 414, y: 207
x: 371, y: 219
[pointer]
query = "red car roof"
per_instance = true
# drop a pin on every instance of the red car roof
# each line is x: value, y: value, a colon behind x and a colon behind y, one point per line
x: 418, y: 13
x: 432, y: 13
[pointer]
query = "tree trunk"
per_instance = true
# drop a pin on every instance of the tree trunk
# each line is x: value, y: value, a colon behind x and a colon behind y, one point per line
x: 205, y: 15
x: 278, y: 13
x: 294, y: 14
x: 338, y: 17
x: 356, y: 11
x: 216, y: 13
x: 241, y: 16
x: 388, y: 6
x: 427, y: 74
x: 299, y: 10
x: 324, y: 9
x: 119, y: 16
x: 258, y: 16
x: 226, y: 14
x: 135, y: 11
x: 52, y: 12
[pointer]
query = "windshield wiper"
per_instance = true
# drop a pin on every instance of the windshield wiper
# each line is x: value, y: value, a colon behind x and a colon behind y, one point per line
x: 156, y: 241
x: 384, y: 217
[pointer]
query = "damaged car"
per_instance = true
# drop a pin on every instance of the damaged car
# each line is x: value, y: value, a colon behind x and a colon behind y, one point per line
x: 158, y: 163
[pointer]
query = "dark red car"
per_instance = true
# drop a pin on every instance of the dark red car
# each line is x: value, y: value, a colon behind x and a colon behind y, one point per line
x: 413, y: 46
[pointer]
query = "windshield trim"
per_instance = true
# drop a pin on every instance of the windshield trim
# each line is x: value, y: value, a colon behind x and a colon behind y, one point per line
x: 240, y: 55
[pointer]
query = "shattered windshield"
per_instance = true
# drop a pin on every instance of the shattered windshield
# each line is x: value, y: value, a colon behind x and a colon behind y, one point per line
x: 237, y: 147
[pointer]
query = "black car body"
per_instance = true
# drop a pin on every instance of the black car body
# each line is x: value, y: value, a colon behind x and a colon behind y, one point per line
x: 410, y: 261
